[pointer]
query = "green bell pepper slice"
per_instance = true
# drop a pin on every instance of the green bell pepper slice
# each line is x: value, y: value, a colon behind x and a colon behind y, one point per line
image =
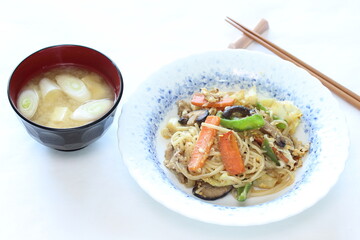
x: 242, y: 124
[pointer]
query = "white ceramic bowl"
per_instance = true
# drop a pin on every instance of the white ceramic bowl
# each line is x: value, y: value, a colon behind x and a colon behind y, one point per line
x: 323, y: 125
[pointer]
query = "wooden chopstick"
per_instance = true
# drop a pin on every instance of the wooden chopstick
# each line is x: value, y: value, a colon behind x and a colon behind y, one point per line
x: 243, y: 42
x: 333, y: 86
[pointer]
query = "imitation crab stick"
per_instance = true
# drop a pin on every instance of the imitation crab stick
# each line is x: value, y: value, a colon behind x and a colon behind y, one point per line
x: 230, y: 154
x: 203, y: 144
x: 199, y: 100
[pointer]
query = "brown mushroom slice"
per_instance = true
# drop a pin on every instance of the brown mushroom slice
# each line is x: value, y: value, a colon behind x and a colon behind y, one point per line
x: 206, y: 191
x: 169, y: 152
x: 237, y: 111
x: 184, y: 107
x: 197, y: 116
x: 280, y: 139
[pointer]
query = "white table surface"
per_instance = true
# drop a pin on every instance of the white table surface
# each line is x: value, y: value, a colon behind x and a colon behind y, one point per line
x: 89, y: 194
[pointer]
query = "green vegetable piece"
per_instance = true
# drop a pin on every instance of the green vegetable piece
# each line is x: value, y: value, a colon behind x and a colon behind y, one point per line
x: 262, y: 107
x: 269, y: 152
x: 28, y: 102
x: 281, y: 126
x: 242, y: 124
x: 242, y: 192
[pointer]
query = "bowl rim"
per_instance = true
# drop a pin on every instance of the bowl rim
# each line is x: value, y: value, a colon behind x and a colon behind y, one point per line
x: 109, y: 112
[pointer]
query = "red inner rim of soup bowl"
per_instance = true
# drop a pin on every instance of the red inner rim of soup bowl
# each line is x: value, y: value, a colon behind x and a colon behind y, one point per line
x: 64, y: 55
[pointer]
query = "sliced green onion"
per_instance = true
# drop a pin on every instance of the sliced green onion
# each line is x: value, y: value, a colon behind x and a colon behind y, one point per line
x: 92, y: 110
x: 73, y: 87
x: 47, y: 86
x: 28, y: 102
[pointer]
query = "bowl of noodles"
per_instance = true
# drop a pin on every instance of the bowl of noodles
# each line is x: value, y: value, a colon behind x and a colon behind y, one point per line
x: 233, y: 137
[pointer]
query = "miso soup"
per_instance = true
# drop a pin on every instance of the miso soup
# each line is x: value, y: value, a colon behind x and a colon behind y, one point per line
x: 65, y: 97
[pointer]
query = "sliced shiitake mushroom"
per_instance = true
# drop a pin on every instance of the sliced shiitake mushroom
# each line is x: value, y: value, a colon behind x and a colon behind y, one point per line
x: 273, y: 131
x: 237, y: 111
x: 197, y: 116
x: 206, y: 191
x: 183, y: 120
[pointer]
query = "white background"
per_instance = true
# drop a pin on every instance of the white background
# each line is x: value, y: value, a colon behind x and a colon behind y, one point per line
x: 89, y: 194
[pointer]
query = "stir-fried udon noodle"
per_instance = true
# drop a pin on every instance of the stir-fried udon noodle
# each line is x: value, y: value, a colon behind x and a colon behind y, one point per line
x: 236, y: 142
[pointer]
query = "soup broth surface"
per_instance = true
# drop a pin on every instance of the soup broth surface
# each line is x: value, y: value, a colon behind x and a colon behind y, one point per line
x: 56, y: 108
